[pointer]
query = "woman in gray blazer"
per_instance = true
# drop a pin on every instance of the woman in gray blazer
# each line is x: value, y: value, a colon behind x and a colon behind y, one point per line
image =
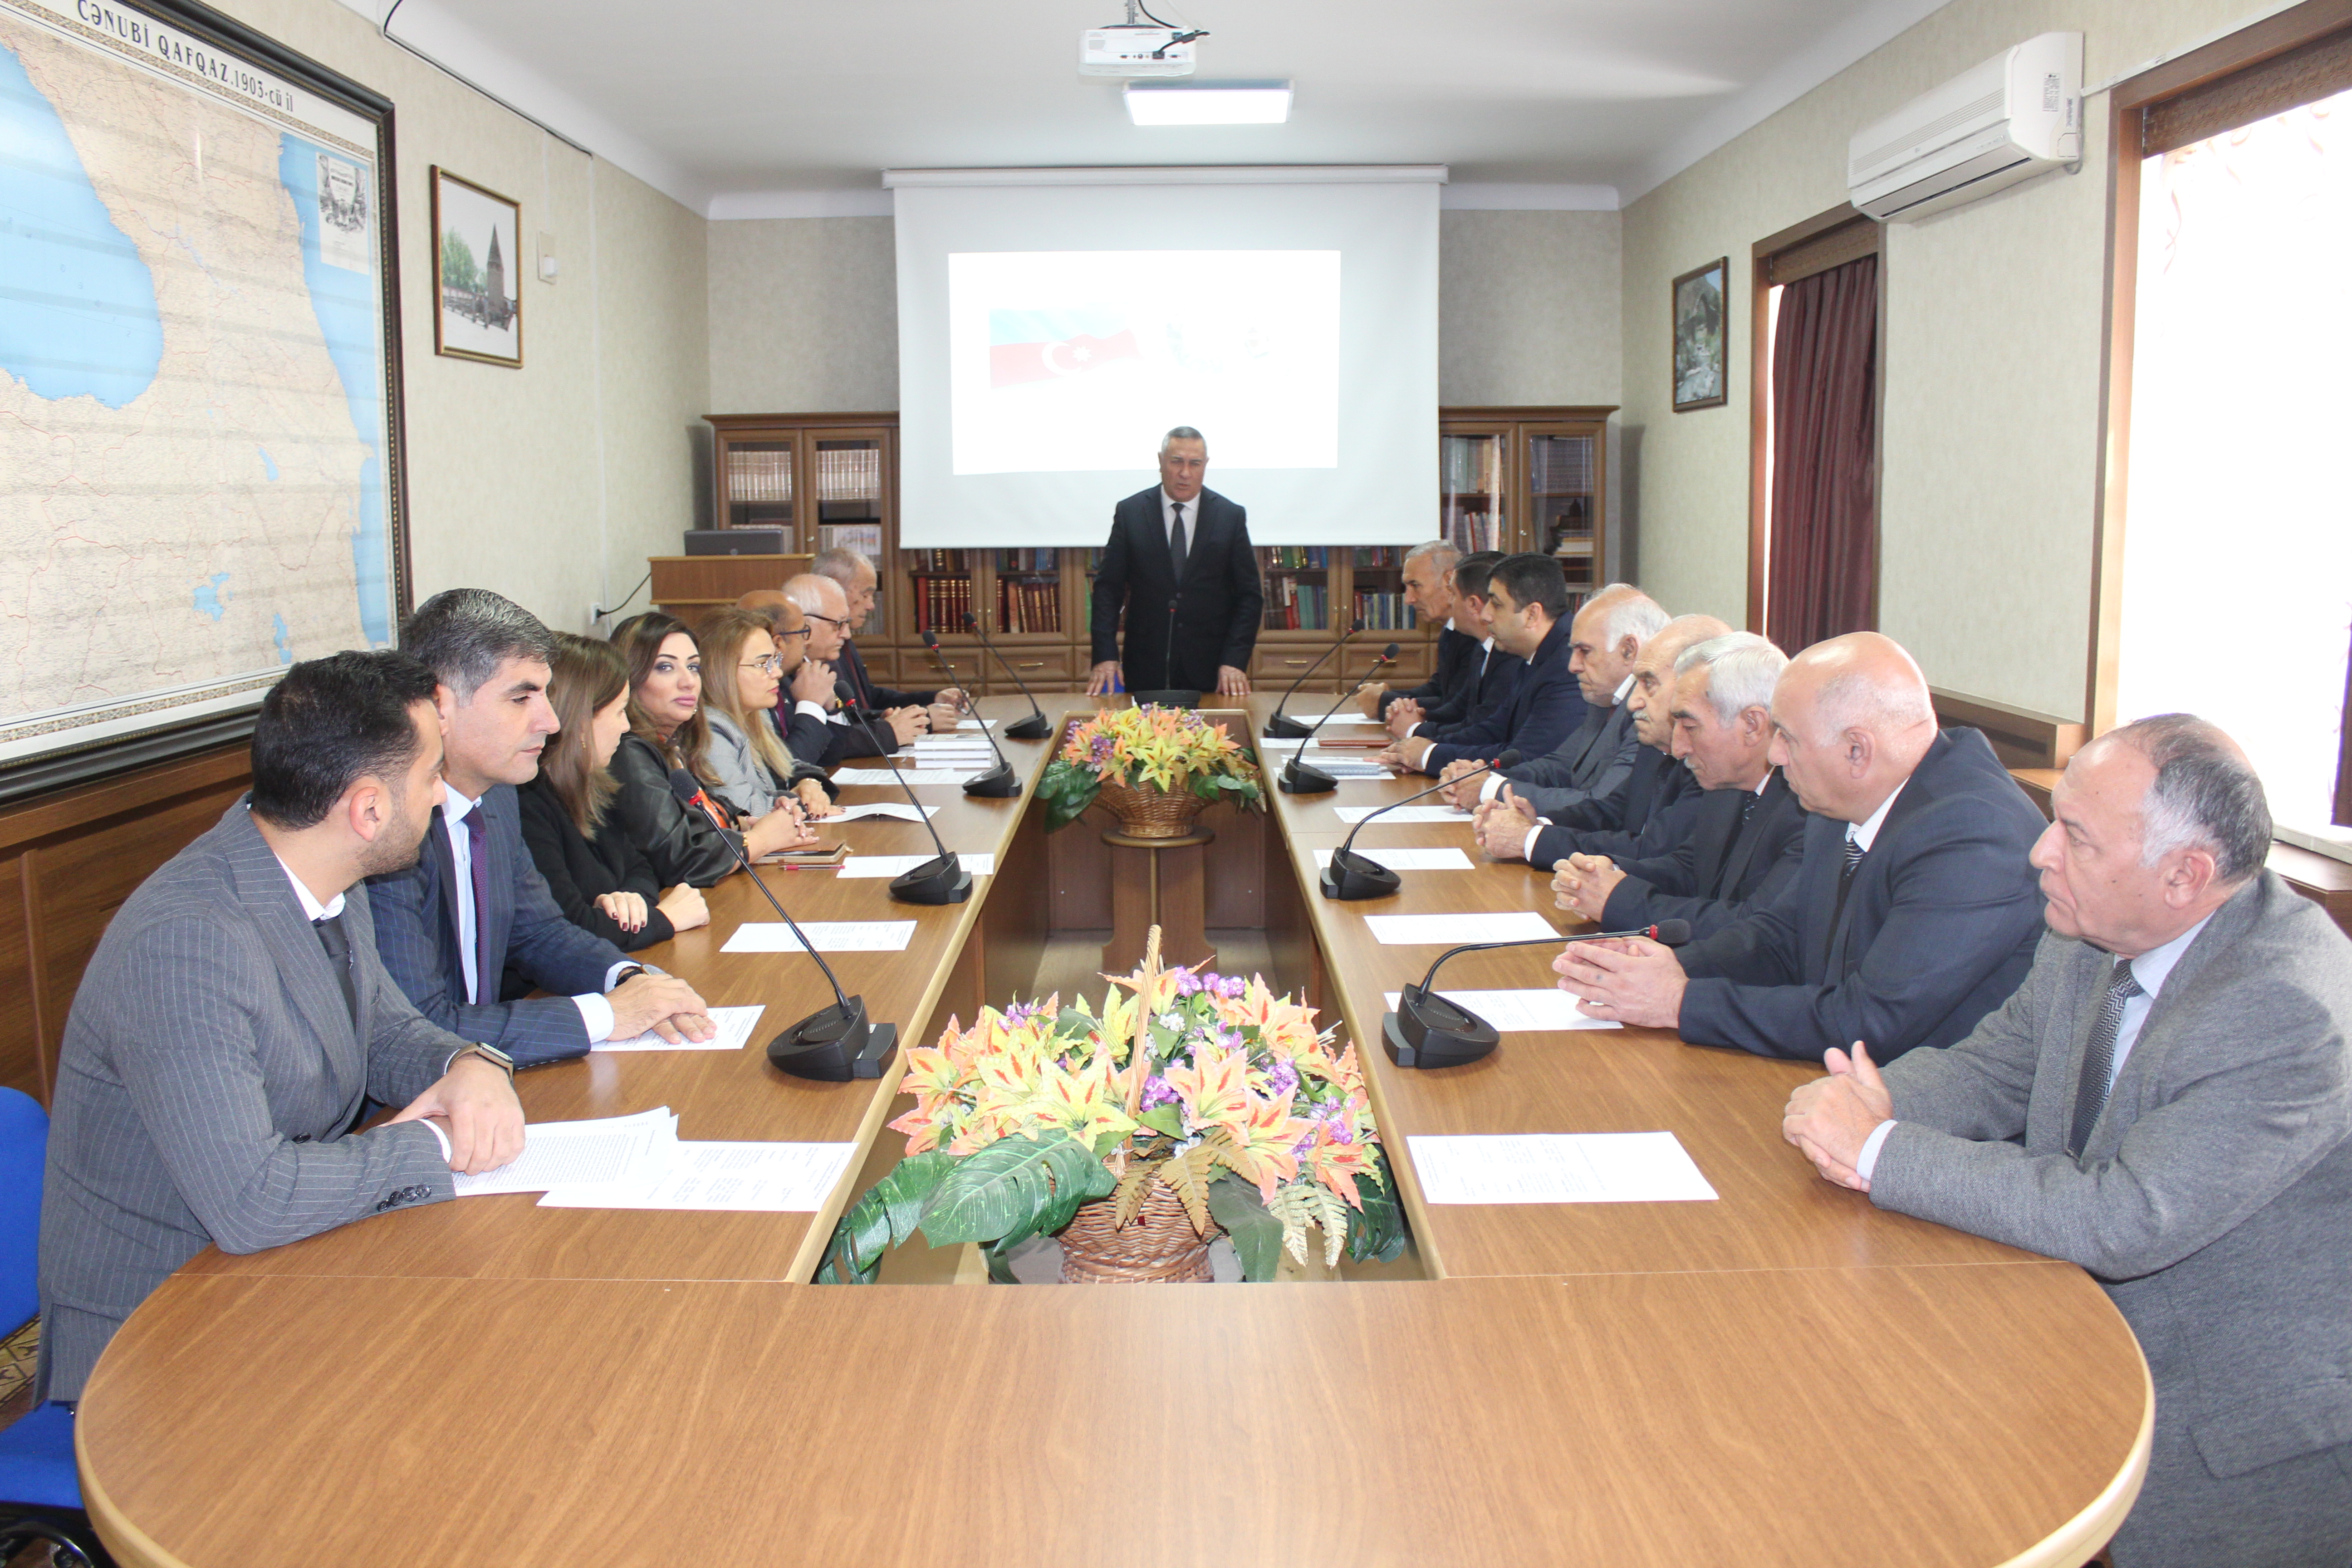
x: 748, y: 766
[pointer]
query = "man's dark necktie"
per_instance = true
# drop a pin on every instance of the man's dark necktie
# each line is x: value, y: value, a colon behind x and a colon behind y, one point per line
x: 1854, y: 853
x: 339, y: 958
x: 1176, y: 541
x: 1747, y: 809
x: 477, y: 838
x: 2099, y: 1059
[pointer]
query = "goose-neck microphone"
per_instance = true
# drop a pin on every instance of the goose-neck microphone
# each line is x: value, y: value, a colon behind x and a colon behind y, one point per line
x: 999, y: 783
x: 834, y: 1044
x: 1036, y: 727
x: 1280, y: 726
x: 942, y: 880
x: 1353, y: 875
x: 1431, y: 1031
x: 1302, y: 777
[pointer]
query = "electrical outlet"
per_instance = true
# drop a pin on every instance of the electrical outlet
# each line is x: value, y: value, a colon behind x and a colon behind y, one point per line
x: 595, y: 614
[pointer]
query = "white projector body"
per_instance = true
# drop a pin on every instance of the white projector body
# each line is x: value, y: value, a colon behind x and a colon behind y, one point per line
x: 1125, y: 51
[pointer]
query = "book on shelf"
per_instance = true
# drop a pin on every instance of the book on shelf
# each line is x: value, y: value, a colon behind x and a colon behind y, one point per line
x: 1296, y: 557
x: 1559, y: 465
x: 1028, y: 606
x: 1384, y: 611
x: 848, y: 473
x: 922, y: 561
x: 1028, y: 561
x: 754, y: 474
x: 1294, y: 606
x: 1471, y: 527
x: 1470, y: 462
x: 865, y: 538
x: 1376, y: 556
x: 941, y: 604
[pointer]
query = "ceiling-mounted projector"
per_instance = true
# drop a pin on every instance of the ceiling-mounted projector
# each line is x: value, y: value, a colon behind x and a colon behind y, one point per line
x: 1134, y: 51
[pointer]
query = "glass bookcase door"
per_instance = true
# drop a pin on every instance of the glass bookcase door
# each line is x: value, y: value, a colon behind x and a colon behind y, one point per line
x: 1561, y: 493
x: 1028, y: 594
x: 942, y: 589
x: 850, y: 511
x: 1297, y: 580
x: 1473, y: 491
x: 1376, y: 584
x: 759, y: 488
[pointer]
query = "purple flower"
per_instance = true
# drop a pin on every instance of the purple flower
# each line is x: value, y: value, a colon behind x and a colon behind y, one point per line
x: 1156, y: 1092
x: 1187, y: 983
x: 1281, y: 1079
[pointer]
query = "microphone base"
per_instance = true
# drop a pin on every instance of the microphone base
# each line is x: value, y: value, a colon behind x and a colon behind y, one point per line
x: 1173, y: 697
x: 939, y: 880
x: 1428, y: 1031
x: 1297, y: 778
x: 836, y: 1046
x: 999, y: 783
x: 1036, y: 727
x: 1283, y: 727
x: 1351, y: 876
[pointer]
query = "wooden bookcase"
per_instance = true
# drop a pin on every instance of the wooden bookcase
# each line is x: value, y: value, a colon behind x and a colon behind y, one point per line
x: 1519, y: 476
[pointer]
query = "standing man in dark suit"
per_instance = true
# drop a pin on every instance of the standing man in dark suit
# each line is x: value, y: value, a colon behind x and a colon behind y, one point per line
x: 1913, y: 912
x: 2166, y: 1101
x: 1746, y: 835
x: 447, y: 925
x: 1177, y: 543
x: 235, y: 1023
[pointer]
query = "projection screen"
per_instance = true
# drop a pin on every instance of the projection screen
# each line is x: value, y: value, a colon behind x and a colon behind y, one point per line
x: 1053, y: 323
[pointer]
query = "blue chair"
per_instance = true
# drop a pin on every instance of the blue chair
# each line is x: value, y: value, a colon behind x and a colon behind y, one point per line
x: 40, y: 1495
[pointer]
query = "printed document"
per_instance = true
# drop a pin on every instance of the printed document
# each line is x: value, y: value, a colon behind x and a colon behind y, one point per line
x: 562, y: 1153
x: 735, y: 1026
x: 894, y: 865
x: 1407, y: 860
x: 828, y: 936
x: 1451, y: 931
x: 740, y: 1177
x: 898, y: 809
x: 1558, y: 1168
x: 1523, y: 1012
x: 1403, y: 813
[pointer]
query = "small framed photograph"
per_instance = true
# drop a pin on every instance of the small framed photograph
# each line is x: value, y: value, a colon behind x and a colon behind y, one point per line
x: 476, y: 272
x: 1701, y: 324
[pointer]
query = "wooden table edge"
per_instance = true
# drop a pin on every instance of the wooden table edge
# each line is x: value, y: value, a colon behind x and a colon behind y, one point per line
x: 2074, y: 1542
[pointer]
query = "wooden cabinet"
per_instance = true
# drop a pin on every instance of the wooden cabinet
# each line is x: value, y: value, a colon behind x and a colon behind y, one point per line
x: 1510, y: 479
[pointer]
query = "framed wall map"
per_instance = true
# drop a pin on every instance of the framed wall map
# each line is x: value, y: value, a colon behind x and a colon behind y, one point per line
x: 199, y: 380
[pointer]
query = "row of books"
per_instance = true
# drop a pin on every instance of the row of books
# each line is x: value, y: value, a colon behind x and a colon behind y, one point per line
x: 1561, y: 465
x: 941, y: 602
x: 1379, y: 555
x: 849, y: 473
x: 936, y: 560
x: 1296, y: 557
x: 1028, y: 606
x: 1294, y: 606
x: 757, y: 474
x: 1473, y: 528
x: 1385, y: 613
x: 1471, y: 462
x: 1028, y: 561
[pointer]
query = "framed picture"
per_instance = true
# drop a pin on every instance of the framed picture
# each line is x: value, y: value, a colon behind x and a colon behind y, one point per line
x: 476, y: 272
x: 1701, y: 320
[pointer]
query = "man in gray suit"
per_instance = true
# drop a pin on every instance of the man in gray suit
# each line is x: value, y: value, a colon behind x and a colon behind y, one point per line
x: 235, y: 1022
x: 2165, y: 1101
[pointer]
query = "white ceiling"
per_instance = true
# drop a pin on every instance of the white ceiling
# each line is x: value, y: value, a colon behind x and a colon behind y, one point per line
x: 783, y: 107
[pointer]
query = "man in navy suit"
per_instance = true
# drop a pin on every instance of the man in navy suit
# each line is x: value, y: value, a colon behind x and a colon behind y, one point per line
x: 447, y: 926
x: 1487, y: 675
x: 859, y: 583
x: 1181, y: 544
x: 1913, y: 912
x: 1428, y: 576
x: 1530, y: 599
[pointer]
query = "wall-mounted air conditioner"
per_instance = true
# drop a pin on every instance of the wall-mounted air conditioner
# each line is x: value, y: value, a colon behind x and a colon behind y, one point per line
x: 2017, y: 115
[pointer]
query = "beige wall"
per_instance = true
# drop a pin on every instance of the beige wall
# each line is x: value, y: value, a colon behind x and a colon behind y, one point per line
x: 549, y: 484
x: 803, y: 315
x: 1529, y: 308
x: 1990, y: 444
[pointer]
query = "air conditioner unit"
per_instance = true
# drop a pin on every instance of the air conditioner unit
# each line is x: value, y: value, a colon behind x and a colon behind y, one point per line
x: 2017, y: 115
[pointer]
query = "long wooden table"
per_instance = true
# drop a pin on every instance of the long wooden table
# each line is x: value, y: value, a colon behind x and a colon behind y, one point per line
x: 1785, y: 1375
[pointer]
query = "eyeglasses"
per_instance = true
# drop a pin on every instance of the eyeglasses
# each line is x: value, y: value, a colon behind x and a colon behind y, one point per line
x: 795, y: 632
x: 768, y: 664
x: 828, y: 620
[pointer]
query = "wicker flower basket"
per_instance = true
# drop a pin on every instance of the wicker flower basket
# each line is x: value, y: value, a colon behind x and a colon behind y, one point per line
x: 1158, y: 1247
x: 1151, y: 813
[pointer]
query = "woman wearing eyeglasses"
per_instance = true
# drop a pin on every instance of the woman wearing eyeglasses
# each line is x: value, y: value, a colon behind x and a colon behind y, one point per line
x: 669, y: 728
x: 742, y: 675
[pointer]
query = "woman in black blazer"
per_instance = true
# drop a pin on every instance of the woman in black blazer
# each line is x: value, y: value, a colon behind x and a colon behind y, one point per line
x: 600, y: 880
x: 668, y: 730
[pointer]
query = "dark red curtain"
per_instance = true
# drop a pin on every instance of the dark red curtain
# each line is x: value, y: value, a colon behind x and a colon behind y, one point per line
x: 1823, y: 575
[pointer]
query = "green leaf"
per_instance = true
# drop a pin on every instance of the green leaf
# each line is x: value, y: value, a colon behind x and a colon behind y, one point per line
x: 1257, y: 1234
x: 999, y: 1256
x: 1378, y: 1229
x: 1168, y: 1119
x: 1001, y: 1193
x: 883, y: 1218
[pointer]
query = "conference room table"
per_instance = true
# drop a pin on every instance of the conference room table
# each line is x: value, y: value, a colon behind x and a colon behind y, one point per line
x: 1782, y: 1375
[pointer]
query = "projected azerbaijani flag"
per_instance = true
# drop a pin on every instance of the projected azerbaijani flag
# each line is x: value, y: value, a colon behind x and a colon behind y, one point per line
x: 1046, y: 345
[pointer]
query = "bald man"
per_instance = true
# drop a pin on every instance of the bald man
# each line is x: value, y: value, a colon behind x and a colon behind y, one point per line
x: 1913, y: 912
x: 1635, y: 824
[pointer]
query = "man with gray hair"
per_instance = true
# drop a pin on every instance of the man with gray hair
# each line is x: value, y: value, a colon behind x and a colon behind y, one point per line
x: 1429, y: 591
x: 943, y: 708
x: 1913, y: 913
x: 1746, y: 835
x: 1177, y: 598
x: 2165, y: 1101
x: 449, y: 924
x: 826, y: 607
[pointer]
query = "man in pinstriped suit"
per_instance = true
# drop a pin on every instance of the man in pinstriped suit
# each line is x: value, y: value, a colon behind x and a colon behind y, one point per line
x: 235, y: 1022
x: 449, y: 923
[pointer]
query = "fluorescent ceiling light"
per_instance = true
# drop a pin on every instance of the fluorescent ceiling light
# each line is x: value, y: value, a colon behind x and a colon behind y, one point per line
x: 1208, y: 102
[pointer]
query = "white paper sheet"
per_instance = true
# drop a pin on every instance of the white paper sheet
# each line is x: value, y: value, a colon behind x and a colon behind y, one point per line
x: 830, y: 936
x: 735, y: 1026
x: 1407, y: 860
x: 562, y: 1153
x: 1348, y: 769
x: 1293, y: 742
x: 1403, y: 813
x: 1523, y: 1012
x: 1447, y: 930
x: 892, y: 865
x: 735, y: 1177
x: 1558, y: 1168
x: 897, y: 808
x: 917, y: 775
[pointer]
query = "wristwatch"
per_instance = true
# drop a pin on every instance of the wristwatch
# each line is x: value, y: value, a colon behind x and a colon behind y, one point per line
x: 627, y: 973
x: 490, y: 1054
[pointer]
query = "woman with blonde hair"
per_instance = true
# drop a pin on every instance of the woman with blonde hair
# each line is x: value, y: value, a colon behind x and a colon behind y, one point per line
x: 742, y: 678
x: 599, y: 876
x: 669, y: 730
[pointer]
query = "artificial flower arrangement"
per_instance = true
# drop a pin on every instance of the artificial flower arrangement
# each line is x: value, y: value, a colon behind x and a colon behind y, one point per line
x: 1209, y: 1086
x: 1171, y: 750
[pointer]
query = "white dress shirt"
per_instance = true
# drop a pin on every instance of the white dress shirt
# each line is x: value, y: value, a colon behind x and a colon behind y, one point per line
x: 596, y: 1013
x: 2149, y: 971
x: 333, y: 906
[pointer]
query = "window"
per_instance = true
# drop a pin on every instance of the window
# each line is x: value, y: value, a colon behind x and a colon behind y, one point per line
x: 2226, y: 573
